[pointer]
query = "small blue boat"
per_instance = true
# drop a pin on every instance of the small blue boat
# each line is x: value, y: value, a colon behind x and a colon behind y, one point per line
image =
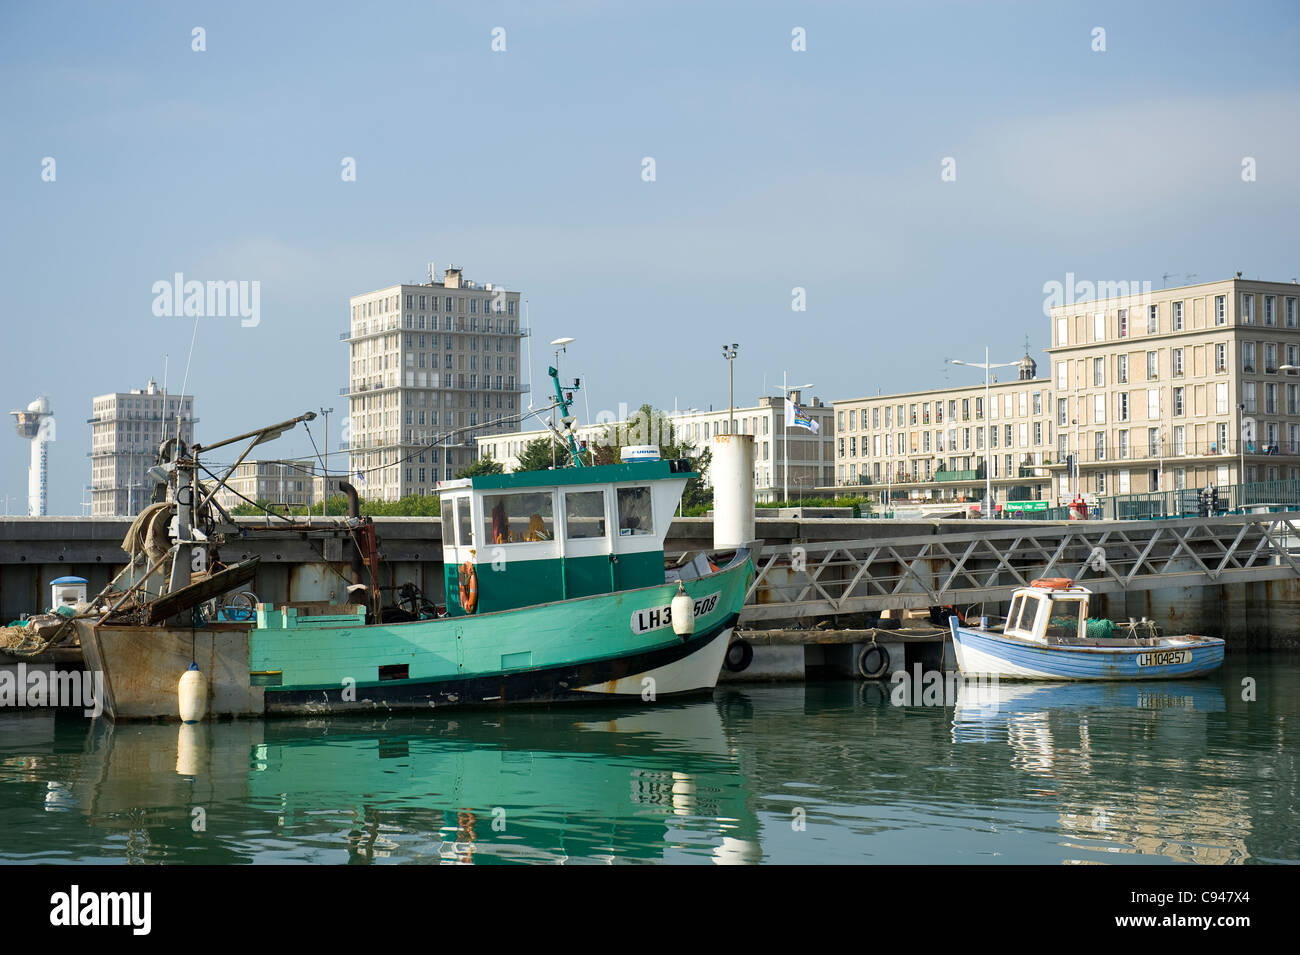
x: 1048, y: 636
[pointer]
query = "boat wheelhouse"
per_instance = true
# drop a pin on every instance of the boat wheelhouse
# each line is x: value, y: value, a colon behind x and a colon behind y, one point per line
x: 1048, y: 635
x: 536, y: 536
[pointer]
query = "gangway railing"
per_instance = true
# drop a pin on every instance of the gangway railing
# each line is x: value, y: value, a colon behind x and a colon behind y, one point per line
x: 826, y: 578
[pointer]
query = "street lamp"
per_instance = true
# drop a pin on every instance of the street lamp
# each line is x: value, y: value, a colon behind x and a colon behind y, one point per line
x: 325, y: 461
x: 785, y: 436
x: 988, y: 459
x: 729, y: 353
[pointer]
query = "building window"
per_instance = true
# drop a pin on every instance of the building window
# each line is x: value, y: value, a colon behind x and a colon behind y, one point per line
x: 1270, y: 357
x: 1121, y: 369
x: 1220, y: 310
x: 1123, y: 323
x: 1178, y: 402
x: 1178, y: 316
x: 1178, y: 362
x: 1247, y: 308
x: 1248, y: 357
x: 1153, y: 319
x: 1270, y: 309
x: 1099, y: 372
x: 1292, y: 319
x: 1123, y: 406
x: 1099, y: 446
x: 1153, y: 371
x: 1062, y: 376
x: 1099, y: 327
x: 1221, y: 357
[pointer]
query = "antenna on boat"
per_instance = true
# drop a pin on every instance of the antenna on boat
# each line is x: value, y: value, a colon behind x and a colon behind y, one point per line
x: 563, y: 400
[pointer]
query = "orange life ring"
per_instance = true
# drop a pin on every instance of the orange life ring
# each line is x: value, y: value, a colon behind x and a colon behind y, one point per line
x: 1052, y: 583
x: 468, y: 587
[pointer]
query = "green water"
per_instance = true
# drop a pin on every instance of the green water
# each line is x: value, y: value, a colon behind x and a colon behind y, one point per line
x: 827, y: 772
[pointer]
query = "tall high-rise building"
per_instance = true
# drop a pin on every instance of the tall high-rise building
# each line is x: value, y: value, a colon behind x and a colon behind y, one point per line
x: 431, y: 367
x: 127, y: 429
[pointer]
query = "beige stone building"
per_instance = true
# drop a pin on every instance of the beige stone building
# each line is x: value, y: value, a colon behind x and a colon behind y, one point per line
x: 1149, y: 390
x: 440, y: 364
x: 932, y: 445
x: 1153, y: 389
x: 127, y: 429
x: 277, y: 482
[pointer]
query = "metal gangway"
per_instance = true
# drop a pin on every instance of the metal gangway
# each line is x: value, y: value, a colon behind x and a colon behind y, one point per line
x: 960, y: 567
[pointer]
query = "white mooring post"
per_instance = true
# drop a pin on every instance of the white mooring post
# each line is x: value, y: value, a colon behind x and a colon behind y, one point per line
x: 733, y: 490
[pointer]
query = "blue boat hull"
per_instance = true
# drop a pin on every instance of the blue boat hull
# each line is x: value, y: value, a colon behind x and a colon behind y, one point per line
x: 1012, y: 658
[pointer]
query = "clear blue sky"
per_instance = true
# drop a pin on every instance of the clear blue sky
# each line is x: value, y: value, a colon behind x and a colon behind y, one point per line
x: 775, y: 169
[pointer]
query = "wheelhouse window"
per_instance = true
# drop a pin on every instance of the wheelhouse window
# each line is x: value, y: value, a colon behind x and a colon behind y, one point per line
x: 463, y: 524
x: 635, y: 513
x: 448, y: 522
x: 584, y: 514
x: 519, y: 518
x: 1064, y: 621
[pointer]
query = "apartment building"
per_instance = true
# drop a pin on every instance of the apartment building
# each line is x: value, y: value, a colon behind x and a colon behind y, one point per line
x: 127, y: 429
x: 1177, y: 388
x: 431, y: 367
x: 278, y: 482
x: 936, y: 445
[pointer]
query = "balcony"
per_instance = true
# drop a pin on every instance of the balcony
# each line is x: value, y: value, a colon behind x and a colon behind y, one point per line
x: 973, y: 475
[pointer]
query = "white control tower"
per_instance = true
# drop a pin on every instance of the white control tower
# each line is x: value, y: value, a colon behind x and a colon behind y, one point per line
x: 36, y: 424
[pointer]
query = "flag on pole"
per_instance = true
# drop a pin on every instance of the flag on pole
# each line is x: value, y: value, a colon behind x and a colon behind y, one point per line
x: 795, y: 418
x: 360, y: 478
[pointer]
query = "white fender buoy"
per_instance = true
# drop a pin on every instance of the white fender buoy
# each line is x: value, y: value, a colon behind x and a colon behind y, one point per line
x: 192, y: 693
x: 683, y: 610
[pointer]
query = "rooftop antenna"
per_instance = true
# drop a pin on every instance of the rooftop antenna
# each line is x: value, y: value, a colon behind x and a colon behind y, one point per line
x: 1166, y: 277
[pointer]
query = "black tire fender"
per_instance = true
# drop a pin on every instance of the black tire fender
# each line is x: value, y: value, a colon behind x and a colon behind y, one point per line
x: 873, y: 661
x: 739, y: 655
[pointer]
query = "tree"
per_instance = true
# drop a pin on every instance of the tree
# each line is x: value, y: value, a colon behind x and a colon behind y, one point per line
x: 536, y: 455
x: 484, y: 465
x: 651, y: 426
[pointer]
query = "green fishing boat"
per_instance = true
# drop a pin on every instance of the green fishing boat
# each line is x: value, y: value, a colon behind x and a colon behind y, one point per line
x: 556, y: 591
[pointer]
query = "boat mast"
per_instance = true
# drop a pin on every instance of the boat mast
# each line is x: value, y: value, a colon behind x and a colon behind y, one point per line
x: 562, y: 402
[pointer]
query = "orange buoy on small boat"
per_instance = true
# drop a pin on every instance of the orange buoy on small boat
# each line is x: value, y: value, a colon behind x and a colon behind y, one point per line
x: 1052, y: 583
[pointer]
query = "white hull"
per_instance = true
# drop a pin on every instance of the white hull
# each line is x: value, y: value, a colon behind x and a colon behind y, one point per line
x: 699, y: 671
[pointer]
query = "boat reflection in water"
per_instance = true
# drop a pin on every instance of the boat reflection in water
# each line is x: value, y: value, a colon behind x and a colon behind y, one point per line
x: 659, y: 783
x: 1158, y: 798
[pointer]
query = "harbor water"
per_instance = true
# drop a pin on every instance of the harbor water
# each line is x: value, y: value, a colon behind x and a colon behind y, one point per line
x: 1200, y: 772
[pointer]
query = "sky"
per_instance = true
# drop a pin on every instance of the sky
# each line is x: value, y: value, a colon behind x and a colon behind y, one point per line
x: 920, y: 171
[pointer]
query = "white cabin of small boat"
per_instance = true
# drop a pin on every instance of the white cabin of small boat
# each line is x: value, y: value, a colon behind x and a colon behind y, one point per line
x: 530, y: 537
x: 1048, y: 611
